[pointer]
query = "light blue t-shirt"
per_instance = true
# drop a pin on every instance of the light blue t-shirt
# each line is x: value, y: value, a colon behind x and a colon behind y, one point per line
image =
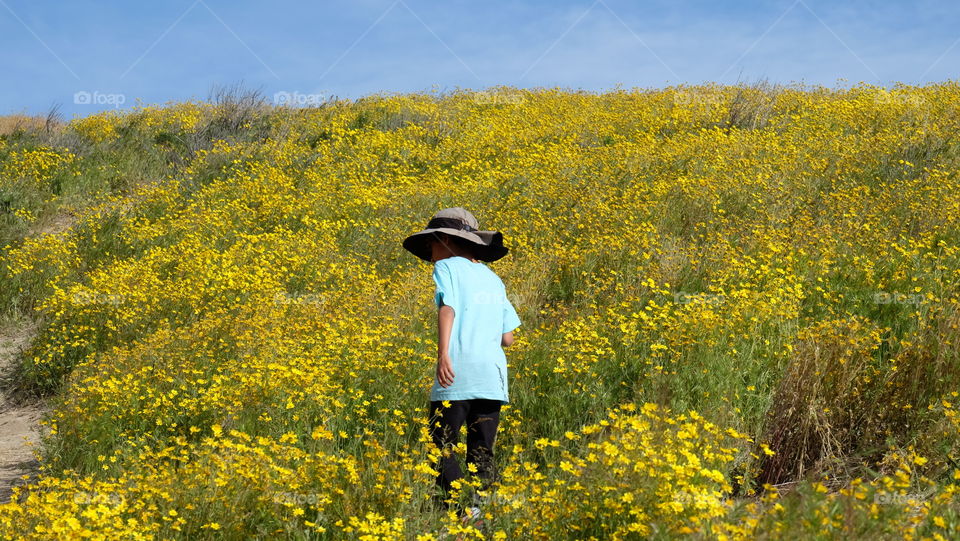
x: 482, y: 313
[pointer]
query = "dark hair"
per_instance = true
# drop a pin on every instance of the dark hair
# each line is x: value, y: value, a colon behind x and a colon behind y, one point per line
x: 463, y: 244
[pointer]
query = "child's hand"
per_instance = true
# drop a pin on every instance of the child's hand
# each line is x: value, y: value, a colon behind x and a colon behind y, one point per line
x: 444, y: 370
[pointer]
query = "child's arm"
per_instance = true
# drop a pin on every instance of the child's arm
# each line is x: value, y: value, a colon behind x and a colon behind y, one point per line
x: 510, y: 321
x: 444, y: 327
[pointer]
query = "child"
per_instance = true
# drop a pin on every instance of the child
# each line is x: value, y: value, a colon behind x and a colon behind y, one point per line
x: 475, y: 321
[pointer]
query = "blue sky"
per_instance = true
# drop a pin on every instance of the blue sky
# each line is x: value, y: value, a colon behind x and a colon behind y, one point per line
x: 87, y: 56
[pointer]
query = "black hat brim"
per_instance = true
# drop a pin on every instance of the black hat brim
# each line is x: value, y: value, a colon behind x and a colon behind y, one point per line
x: 418, y: 245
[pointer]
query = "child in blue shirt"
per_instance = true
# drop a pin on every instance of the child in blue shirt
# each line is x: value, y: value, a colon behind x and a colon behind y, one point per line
x: 475, y: 321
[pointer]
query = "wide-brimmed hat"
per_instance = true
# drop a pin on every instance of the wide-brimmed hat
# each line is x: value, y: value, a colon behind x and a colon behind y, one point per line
x: 457, y: 222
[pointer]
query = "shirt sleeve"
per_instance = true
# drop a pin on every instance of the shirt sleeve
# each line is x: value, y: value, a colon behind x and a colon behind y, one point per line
x: 510, y: 319
x: 446, y: 291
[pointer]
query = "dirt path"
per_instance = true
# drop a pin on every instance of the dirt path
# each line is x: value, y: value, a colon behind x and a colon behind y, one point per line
x: 19, y: 430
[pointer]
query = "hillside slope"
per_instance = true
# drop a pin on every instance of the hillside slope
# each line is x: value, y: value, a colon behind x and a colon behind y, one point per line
x: 720, y: 288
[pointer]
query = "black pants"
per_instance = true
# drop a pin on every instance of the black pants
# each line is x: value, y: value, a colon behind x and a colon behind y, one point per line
x: 482, y: 417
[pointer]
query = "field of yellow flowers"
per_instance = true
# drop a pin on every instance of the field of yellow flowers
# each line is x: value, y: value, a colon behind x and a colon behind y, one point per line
x: 740, y: 307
